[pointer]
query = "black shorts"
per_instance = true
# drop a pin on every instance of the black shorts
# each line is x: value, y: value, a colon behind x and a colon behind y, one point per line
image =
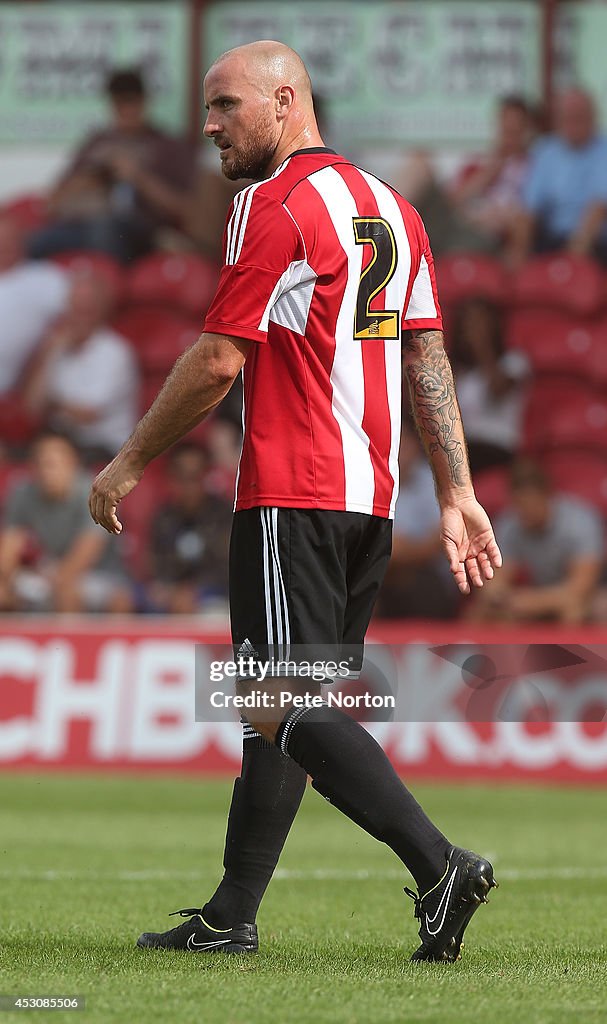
x: 305, y: 577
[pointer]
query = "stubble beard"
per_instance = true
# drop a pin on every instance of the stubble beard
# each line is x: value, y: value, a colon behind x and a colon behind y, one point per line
x: 253, y: 157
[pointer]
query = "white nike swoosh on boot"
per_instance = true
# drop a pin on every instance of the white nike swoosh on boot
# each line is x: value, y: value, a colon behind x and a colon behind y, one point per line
x: 442, y: 905
x: 193, y: 945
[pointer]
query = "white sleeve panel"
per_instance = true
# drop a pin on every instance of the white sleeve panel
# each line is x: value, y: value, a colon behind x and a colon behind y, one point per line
x: 421, y: 303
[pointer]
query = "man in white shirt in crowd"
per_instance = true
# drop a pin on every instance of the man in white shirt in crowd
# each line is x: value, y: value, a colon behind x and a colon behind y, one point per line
x: 32, y: 295
x: 85, y: 380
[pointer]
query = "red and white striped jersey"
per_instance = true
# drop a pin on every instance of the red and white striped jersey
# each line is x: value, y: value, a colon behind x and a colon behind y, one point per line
x: 325, y: 265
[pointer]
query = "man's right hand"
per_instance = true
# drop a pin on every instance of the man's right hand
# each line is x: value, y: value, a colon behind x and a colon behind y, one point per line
x: 113, y: 484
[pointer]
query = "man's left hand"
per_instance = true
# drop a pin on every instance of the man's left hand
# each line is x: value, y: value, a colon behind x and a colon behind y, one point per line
x: 469, y: 543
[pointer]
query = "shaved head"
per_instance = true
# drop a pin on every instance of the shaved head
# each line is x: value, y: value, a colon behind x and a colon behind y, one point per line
x: 259, y: 102
x: 270, y: 64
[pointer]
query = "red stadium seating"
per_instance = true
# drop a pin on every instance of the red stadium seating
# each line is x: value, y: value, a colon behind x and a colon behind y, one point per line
x: 158, y: 335
x: 492, y: 489
x: 137, y: 323
x: 583, y: 474
x: 10, y: 474
x: 17, y: 425
x: 462, y: 277
x: 186, y: 281
x: 29, y: 211
x: 560, y: 343
x: 137, y: 513
x: 98, y: 264
x: 565, y: 414
x: 560, y: 281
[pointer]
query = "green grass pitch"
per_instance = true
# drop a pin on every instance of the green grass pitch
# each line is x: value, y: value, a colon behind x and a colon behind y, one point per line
x: 87, y: 863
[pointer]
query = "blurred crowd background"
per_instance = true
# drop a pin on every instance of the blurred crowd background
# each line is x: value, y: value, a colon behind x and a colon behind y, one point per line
x: 111, y: 215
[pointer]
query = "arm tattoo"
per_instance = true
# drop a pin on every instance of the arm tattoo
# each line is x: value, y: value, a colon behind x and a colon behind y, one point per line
x: 434, y: 402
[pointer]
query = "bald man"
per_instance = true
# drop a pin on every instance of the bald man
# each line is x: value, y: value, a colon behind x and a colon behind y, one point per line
x: 565, y: 194
x: 326, y: 270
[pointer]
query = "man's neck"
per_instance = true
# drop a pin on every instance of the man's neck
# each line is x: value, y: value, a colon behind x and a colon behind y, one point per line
x: 307, y: 138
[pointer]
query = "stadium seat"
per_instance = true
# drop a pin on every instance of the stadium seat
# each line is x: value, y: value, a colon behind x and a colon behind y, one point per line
x: 582, y: 473
x: 470, y: 276
x: 137, y: 514
x: 17, y: 425
x: 135, y: 324
x: 186, y: 281
x: 561, y: 281
x: 159, y: 336
x: 559, y: 343
x: 562, y: 413
x: 492, y: 489
x: 29, y: 211
x: 10, y: 474
x: 98, y: 264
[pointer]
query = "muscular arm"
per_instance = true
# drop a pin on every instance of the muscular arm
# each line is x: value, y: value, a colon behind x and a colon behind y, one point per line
x: 198, y: 382
x: 436, y: 412
x: 466, y: 533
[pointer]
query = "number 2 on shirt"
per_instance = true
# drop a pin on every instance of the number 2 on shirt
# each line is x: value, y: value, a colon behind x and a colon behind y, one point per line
x: 376, y: 323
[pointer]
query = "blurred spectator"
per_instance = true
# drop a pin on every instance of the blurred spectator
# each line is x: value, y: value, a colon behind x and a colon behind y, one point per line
x: 189, y: 539
x: 565, y: 194
x: 418, y: 583
x: 489, y: 189
x: 223, y: 442
x: 32, y: 295
x: 52, y: 556
x: 552, y: 547
x: 84, y: 380
x: 475, y: 213
x: 489, y: 384
x: 124, y: 183
x: 206, y: 208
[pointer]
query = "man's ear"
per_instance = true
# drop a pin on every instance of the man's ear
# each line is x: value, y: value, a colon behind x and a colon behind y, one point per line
x: 284, y: 98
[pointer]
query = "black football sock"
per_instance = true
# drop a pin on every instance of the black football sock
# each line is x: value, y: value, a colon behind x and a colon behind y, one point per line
x: 265, y: 800
x: 350, y: 769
